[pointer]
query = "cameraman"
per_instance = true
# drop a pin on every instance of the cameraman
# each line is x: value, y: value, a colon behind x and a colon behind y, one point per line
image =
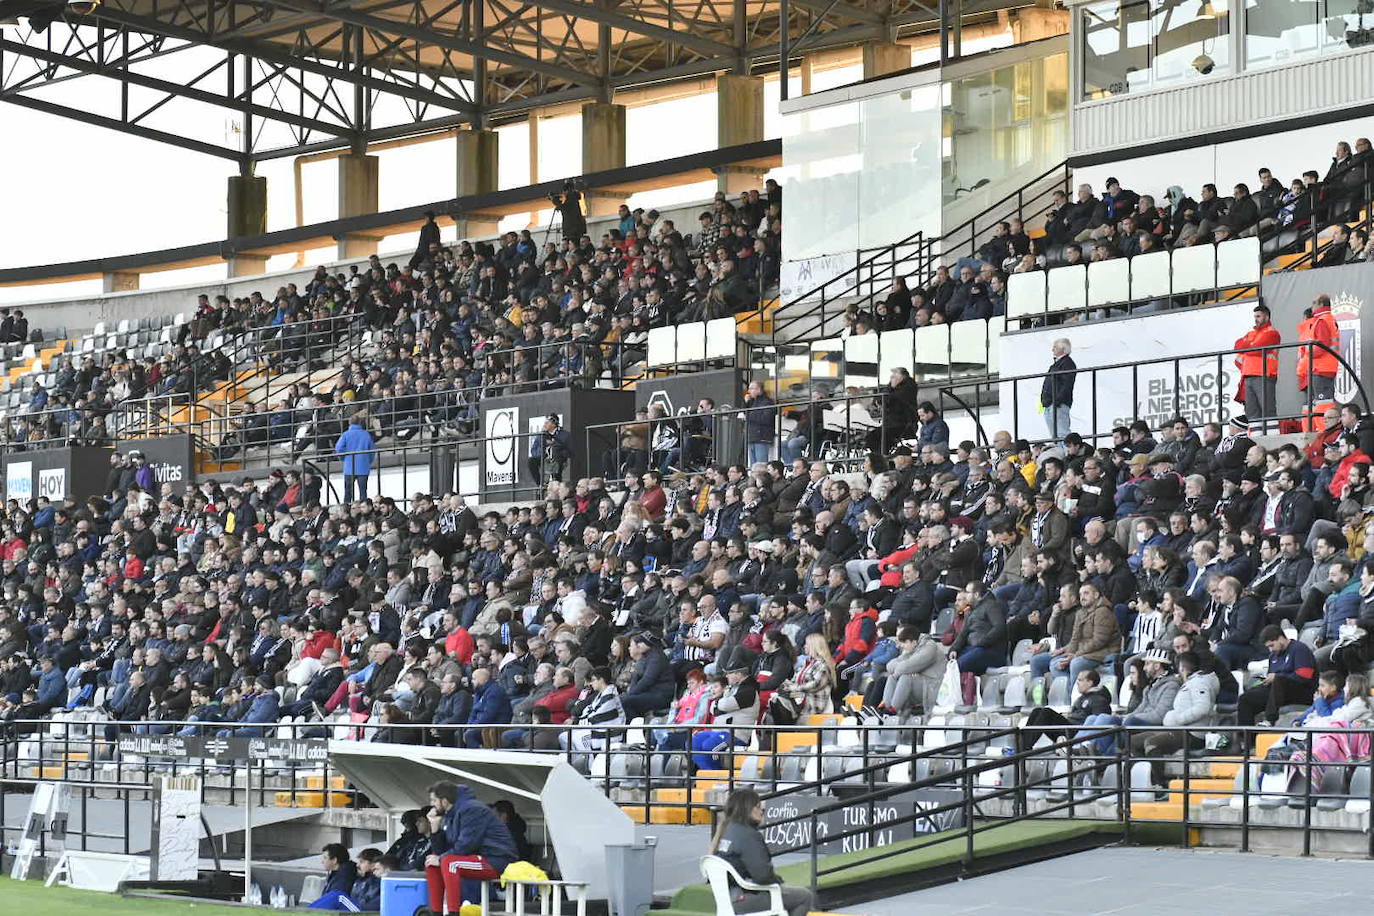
x: 569, y: 206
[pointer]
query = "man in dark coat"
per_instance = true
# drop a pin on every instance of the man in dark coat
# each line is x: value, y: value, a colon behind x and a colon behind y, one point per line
x: 429, y: 235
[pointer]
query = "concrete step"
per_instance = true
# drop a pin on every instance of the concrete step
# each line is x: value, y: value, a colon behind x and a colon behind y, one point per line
x: 310, y: 799
x: 666, y: 814
x: 1157, y: 811
x: 1198, y: 789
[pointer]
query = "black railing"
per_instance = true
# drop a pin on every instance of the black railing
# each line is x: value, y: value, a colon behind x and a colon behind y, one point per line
x: 851, y: 425
x: 914, y: 257
x: 1066, y: 773
x: 1352, y: 208
x: 971, y: 395
x: 256, y: 359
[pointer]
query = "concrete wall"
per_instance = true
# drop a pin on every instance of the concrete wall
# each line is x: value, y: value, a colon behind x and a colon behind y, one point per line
x: 82, y: 312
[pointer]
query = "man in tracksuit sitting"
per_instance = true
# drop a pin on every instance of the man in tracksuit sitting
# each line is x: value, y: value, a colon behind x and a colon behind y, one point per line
x: 470, y: 844
x: 1291, y: 680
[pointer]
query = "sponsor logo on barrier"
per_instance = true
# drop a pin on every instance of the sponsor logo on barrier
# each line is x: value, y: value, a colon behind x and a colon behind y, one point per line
x: 502, y: 429
x: 19, y: 480
x: 52, y: 483
x: 1346, y: 308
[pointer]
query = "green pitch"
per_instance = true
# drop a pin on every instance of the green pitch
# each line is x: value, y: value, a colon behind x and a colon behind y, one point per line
x: 31, y: 898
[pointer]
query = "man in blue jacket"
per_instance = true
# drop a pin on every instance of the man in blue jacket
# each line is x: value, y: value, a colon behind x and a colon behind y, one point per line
x: 341, y: 874
x: 490, y: 706
x: 469, y: 842
x: 52, y: 686
x: 263, y: 711
x: 355, y: 447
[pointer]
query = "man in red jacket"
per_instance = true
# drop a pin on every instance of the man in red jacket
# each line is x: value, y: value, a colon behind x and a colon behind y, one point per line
x: 1259, y: 369
x: 1317, y: 368
x: 859, y: 634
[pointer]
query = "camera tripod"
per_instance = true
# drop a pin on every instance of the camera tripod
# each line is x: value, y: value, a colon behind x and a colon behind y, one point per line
x: 555, y: 222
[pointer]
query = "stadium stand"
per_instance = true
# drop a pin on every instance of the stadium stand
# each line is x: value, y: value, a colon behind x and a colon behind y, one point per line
x: 681, y: 594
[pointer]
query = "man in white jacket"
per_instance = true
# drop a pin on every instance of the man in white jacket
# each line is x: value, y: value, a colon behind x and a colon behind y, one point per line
x: 1195, y: 706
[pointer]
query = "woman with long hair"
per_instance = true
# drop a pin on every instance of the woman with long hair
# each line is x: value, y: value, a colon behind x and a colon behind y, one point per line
x: 810, y: 689
x: 739, y: 841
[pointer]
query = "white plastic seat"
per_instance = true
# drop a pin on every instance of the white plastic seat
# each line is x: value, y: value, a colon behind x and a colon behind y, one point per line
x: 861, y: 360
x: 691, y: 342
x: 719, y: 873
x: 1238, y: 262
x: 1067, y: 288
x: 1109, y: 282
x: 896, y: 350
x: 662, y: 348
x: 720, y: 338
x: 1195, y: 268
x: 968, y: 342
x: 1026, y: 294
x: 1149, y: 276
x: 932, y: 345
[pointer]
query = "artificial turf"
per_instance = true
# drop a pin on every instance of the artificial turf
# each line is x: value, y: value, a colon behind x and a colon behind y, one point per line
x: 31, y: 898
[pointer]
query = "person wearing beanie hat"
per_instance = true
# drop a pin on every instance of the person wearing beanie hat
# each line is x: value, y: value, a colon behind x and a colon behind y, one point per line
x: 1157, y: 693
x: 263, y: 711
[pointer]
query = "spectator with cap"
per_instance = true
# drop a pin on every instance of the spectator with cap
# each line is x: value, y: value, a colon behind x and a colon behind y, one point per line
x: 736, y: 706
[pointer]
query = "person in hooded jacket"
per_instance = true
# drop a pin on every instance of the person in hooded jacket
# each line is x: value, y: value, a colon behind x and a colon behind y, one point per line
x: 412, y: 846
x: 982, y: 640
x: 1093, y: 700
x: 470, y: 844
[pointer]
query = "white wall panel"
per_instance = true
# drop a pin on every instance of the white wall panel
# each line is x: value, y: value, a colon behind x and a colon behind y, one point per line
x: 1259, y: 96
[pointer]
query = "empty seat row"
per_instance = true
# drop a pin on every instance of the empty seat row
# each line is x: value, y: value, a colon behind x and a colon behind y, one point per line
x: 1155, y: 275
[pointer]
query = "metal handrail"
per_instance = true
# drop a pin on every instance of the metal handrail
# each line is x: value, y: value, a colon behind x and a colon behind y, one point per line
x: 1307, y: 347
x: 974, y: 801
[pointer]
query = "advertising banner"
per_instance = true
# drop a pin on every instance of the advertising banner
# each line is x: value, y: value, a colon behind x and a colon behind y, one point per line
x: 803, y: 276
x: 19, y: 480
x: 881, y: 817
x: 1200, y: 389
x: 52, y: 483
x: 1351, y: 288
x: 170, y: 457
x: 502, y: 445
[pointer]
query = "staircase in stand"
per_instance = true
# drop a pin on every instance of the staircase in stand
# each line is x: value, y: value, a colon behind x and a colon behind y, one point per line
x: 819, y: 311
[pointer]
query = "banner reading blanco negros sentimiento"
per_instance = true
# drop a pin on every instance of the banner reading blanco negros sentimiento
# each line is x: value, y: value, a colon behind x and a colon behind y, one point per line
x: 1205, y: 386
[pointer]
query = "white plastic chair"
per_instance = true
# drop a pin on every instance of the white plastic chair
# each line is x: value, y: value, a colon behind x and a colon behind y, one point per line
x: 718, y: 873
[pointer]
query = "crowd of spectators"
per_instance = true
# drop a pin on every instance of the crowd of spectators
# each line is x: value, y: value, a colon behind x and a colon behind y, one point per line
x: 1121, y: 223
x: 419, y: 344
x: 708, y: 601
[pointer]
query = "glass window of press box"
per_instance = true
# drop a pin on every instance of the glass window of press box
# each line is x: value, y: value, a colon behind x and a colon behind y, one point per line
x: 1280, y: 32
x: 1135, y: 45
x: 877, y: 170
